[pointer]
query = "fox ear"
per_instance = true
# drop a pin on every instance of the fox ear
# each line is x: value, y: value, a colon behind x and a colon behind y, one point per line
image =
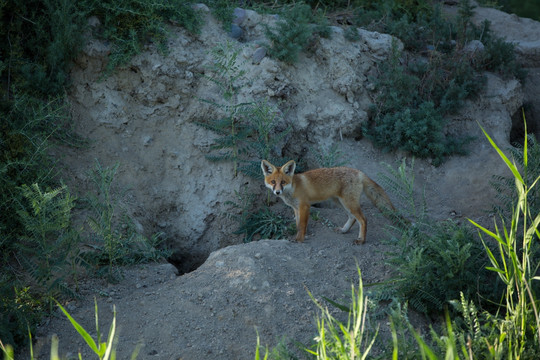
x: 267, y: 168
x: 289, y: 167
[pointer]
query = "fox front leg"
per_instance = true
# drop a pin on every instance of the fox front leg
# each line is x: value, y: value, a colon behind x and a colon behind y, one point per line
x: 303, y: 218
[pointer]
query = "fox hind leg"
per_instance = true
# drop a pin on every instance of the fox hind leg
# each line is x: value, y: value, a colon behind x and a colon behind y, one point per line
x: 355, y: 214
x: 347, y: 226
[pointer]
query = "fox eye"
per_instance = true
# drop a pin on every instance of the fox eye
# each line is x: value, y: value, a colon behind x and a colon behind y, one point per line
x: 282, y: 183
x: 273, y: 182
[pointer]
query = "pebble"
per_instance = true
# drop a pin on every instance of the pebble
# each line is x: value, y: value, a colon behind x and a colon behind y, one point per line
x: 236, y: 31
x: 258, y: 55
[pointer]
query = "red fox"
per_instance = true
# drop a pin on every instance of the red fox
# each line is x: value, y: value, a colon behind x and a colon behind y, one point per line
x: 299, y: 191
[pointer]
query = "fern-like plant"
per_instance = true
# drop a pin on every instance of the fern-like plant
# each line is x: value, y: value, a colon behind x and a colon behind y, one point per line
x: 47, y: 248
x: 114, y: 240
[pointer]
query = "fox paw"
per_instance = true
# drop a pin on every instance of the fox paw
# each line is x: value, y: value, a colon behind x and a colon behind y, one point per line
x: 340, y: 230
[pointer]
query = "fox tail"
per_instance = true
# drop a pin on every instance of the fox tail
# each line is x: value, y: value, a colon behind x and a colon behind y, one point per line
x: 380, y: 199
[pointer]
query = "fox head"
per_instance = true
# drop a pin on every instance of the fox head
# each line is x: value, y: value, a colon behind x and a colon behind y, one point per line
x: 278, y: 179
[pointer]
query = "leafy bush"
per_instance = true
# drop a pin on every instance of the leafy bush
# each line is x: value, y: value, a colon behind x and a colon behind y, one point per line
x: 251, y: 222
x: 434, y: 261
x: 294, y: 31
x: 436, y: 264
x: 415, y: 92
x: 42, y: 37
x: 46, y: 250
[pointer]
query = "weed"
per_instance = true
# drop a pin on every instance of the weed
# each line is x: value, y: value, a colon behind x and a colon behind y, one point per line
x: 505, y: 186
x: 326, y: 158
x: 514, y: 264
x: 337, y: 340
x: 263, y: 222
x: 47, y: 249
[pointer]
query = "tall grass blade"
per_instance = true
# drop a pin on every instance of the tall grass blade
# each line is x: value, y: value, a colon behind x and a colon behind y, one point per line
x: 84, y: 334
x: 510, y: 165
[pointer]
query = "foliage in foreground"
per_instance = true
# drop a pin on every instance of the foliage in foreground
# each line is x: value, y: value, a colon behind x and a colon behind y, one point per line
x: 434, y: 261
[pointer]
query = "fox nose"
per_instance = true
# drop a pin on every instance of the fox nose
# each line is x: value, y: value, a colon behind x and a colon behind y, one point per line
x: 277, y: 192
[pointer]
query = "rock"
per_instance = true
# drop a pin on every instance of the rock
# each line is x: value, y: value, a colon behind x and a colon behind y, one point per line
x: 474, y: 47
x: 258, y: 55
x: 236, y: 32
x: 239, y: 15
x: 252, y: 19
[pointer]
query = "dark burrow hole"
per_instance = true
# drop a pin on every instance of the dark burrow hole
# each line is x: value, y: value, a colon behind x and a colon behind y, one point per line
x: 187, y: 262
x: 524, y: 113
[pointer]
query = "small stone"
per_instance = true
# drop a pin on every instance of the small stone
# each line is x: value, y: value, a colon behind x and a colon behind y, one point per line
x: 474, y: 47
x: 236, y: 31
x: 258, y: 55
x: 239, y: 15
x: 147, y: 140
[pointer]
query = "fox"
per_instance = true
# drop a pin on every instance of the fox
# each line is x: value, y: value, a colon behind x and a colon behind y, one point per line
x: 346, y: 185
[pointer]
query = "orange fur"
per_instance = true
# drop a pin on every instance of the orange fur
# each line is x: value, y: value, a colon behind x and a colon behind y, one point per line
x: 300, y: 191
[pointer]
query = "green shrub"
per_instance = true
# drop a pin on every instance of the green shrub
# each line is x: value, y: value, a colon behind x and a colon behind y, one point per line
x: 20, y: 310
x: 434, y: 261
x: 48, y: 247
x: 294, y: 31
x: 415, y: 93
x: 42, y: 37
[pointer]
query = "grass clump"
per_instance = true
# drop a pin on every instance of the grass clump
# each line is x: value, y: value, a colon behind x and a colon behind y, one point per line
x: 252, y: 221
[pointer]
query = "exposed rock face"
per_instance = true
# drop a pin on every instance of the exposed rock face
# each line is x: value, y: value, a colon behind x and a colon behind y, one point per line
x: 144, y: 116
x: 147, y: 112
